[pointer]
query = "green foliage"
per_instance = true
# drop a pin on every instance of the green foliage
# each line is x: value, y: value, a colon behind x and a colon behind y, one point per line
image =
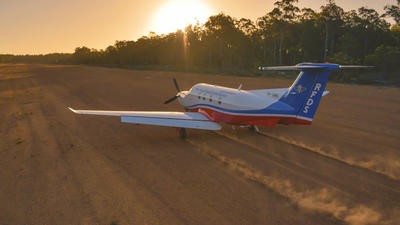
x: 393, y: 11
x: 387, y: 60
x: 53, y: 58
x: 332, y: 19
x: 386, y: 57
x: 342, y: 58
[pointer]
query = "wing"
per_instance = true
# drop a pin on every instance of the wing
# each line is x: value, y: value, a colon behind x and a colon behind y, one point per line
x: 192, y: 120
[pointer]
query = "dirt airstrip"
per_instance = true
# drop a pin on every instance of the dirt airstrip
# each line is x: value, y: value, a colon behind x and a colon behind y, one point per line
x: 57, y: 167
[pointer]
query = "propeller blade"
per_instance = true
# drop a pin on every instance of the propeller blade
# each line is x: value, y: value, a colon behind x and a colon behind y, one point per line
x: 176, y: 84
x: 176, y: 96
x: 171, y: 99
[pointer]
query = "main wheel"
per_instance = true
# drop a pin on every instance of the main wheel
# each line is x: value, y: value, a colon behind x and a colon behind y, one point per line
x: 182, y: 133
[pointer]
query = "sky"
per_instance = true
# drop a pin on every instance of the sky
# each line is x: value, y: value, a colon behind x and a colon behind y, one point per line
x: 46, y: 26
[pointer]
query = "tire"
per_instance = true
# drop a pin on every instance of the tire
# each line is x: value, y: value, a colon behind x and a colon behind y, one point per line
x: 182, y: 133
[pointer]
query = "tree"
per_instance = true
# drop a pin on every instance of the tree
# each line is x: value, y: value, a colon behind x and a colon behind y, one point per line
x: 284, y: 35
x: 196, y: 52
x: 394, y: 12
x: 246, y: 26
x: 224, y: 41
x: 363, y: 30
x: 249, y: 40
x: 83, y: 55
x: 331, y: 15
x: 279, y: 21
x: 309, y: 31
x: 387, y: 59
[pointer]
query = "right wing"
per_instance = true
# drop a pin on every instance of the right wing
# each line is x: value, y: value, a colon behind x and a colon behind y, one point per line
x: 192, y: 120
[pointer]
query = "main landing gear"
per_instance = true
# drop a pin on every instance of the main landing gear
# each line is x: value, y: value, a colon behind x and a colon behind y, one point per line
x: 182, y: 133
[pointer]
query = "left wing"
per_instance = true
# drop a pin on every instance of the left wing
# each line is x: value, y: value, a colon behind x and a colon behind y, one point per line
x: 192, y: 120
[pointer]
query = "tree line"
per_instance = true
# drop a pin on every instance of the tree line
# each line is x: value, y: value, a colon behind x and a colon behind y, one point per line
x: 283, y: 36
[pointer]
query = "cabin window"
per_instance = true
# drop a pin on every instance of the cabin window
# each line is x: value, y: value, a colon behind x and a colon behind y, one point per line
x: 199, y: 97
x: 210, y: 100
x: 204, y: 98
x: 219, y: 102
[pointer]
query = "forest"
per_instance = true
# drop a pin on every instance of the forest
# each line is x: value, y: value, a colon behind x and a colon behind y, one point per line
x: 286, y: 35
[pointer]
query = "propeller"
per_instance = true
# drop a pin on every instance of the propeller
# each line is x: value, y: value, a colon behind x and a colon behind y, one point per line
x: 177, y: 95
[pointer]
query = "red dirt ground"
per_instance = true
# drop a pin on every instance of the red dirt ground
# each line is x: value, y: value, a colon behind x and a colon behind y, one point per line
x: 57, y: 167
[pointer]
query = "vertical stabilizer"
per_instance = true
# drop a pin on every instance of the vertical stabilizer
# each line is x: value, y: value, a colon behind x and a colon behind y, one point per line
x: 306, y: 91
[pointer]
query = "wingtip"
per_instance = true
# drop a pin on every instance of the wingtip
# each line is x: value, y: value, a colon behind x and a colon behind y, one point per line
x: 73, y: 110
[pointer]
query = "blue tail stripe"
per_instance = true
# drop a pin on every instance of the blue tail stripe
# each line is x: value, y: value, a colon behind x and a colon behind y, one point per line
x: 306, y: 92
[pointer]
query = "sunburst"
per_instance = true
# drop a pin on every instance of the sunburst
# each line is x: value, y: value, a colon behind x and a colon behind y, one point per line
x: 178, y: 14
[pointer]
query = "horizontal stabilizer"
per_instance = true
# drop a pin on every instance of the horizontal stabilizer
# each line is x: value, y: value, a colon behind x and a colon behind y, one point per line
x: 355, y: 67
x: 308, y: 66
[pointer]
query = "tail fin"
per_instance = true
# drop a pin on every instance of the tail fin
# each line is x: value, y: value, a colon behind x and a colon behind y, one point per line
x: 305, y: 93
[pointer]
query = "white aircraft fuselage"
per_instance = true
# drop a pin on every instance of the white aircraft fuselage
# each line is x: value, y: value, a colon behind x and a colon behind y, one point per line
x: 236, y: 106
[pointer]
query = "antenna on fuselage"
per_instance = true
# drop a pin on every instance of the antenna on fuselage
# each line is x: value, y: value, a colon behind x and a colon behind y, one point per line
x: 240, y: 87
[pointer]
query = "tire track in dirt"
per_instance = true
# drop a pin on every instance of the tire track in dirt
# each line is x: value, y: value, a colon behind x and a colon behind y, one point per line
x: 374, y: 185
x: 381, y: 168
x: 326, y: 199
x: 382, y: 185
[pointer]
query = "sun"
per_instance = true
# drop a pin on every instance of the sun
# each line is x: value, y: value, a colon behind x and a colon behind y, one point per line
x: 177, y: 14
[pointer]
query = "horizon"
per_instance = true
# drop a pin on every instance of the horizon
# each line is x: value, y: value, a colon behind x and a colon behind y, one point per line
x: 65, y: 25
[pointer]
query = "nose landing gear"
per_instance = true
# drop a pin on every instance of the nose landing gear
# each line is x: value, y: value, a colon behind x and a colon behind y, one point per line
x: 254, y: 128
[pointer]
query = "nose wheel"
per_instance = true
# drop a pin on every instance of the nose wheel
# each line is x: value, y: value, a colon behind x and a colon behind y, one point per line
x: 254, y: 128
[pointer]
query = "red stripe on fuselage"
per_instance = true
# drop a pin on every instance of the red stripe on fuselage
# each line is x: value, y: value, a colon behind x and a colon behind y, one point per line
x: 244, y: 119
